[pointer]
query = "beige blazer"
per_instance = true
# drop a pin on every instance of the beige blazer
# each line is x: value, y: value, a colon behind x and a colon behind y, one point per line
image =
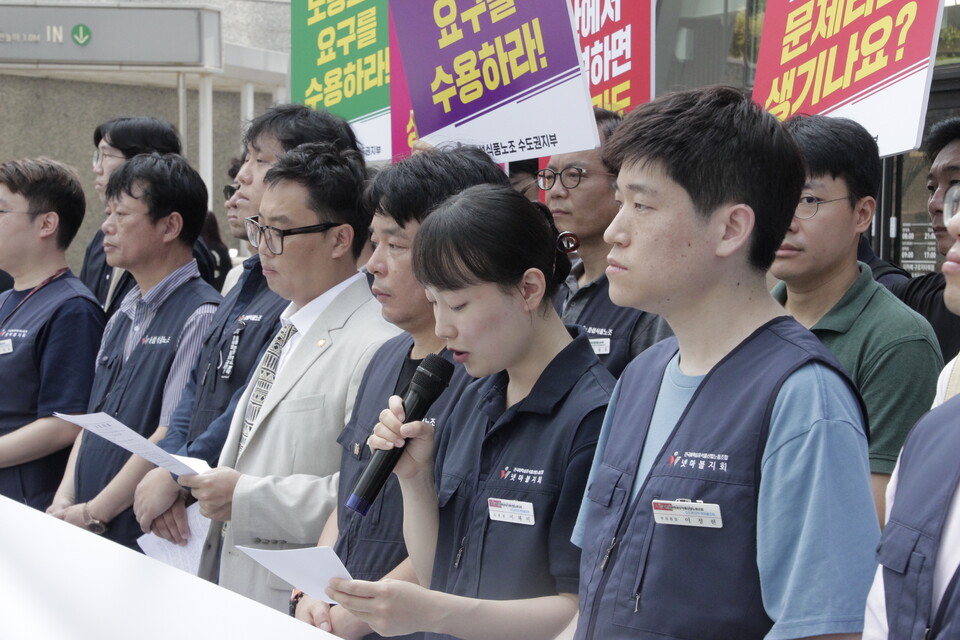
x: 291, y: 461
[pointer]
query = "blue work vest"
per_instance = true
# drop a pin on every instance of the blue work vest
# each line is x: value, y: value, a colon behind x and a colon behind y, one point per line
x: 643, y: 580
x: 927, y: 481
x: 245, y: 321
x: 608, y: 326
x: 371, y: 546
x: 33, y: 483
x: 132, y: 392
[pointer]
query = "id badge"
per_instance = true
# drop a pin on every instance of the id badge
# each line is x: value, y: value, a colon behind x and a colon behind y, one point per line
x: 515, y: 511
x: 6, y: 346
x: 601, y: 346
x: 687, y: 513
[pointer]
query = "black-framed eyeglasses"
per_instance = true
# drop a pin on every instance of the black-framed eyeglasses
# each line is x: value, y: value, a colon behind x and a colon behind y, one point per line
x: 274, y: 236
x: 569, y: 178
x: 99, y: 155
x: 809, y: 206
x: 229, y: 190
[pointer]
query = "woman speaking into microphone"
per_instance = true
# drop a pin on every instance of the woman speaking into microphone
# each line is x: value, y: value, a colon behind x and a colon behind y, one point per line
x: 490, y: 506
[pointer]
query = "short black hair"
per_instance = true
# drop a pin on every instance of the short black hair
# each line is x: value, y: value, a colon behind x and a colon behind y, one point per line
x: 409, y: 189
x: 941, y: 134
x: 334, y: 177
x: 607, y: 121
x: 840, y: 148
x: 167, y: 183
x: 722, y: 148
x: 48, y: 185
x: 488, y: 234
x: 134, y: 135
x: 294, y: 124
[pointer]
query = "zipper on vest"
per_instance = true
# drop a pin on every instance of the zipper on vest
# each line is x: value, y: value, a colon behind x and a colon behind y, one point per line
x: 456, y: 563
x: 203, y: 380
x: 606, y: 556
x: 636, y: 606
x: 926, y: 633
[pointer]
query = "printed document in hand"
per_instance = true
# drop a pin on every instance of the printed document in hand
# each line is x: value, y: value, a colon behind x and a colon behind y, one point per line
x: 186, y: 557
x: 310, y: 569
x: 106, y: 426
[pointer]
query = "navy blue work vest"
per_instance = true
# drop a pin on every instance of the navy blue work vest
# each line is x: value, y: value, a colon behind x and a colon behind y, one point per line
x: 371, y: 546
x: 634, y: 577
x: 927, y: 481
x: 246, y: 319
x: 612, y: 326
x: 33, y: 483
x: 132, y: 392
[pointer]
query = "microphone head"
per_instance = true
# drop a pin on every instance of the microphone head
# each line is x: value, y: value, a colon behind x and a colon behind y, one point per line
x: 433, y: 375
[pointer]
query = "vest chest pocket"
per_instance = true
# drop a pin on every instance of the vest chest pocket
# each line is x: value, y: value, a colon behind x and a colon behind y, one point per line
x: 907, y: 595
x: 604, y: 488
x: 606, y: 497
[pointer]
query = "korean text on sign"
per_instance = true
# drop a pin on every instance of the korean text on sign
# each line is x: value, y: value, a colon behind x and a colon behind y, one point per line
x: 352, y: 59
x: 829, y: 46
x: 497, y: 62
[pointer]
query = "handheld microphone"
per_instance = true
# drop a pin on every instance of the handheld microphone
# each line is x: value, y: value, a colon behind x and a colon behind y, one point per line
x: 429, y: 380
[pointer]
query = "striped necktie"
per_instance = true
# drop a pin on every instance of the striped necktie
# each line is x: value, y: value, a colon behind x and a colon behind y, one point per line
x: 266, y: 373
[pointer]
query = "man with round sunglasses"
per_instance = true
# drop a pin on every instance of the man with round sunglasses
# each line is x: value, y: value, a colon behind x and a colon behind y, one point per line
x: 890, y: 351
x: 578, y: 189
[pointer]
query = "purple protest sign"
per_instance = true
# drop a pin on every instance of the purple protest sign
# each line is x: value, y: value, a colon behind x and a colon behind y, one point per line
x: 464, y: 58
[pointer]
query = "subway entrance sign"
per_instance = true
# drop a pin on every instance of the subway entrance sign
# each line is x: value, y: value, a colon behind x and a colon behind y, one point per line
x: 114, y: 35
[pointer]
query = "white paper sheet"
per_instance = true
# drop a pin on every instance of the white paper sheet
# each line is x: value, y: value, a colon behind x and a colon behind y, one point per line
x: 186, y: 557
x: 106, y: 426
x: 309, y: 570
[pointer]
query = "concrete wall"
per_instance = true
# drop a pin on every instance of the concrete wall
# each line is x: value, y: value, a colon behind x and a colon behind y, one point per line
x: 56, y: 118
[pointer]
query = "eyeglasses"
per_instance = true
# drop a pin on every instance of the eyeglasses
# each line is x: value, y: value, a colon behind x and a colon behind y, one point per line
x: 274, y: 236
x: 809, y: 206
x: 570, y: 177
x: 229, y: 190
x: 951, y: 203
x: 99, y: 155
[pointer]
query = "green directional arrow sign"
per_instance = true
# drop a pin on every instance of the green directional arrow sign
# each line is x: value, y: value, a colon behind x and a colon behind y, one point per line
x: 81, y: 34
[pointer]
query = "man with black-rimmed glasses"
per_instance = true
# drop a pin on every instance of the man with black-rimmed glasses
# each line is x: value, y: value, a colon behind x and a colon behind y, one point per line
x: 578, y: 189
x: 276, y: 481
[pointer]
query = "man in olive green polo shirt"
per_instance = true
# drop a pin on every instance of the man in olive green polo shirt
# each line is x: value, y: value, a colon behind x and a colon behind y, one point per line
x: 889, y: 350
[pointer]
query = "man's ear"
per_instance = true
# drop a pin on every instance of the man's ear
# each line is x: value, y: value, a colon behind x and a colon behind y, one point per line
x: 863, y: 211
x: 343, y: 241
x: 49, y: 223
x: 172, y: 227
x: 734, y: 228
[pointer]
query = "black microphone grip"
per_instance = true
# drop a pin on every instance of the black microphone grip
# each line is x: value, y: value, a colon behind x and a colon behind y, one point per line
x: 429, y: 381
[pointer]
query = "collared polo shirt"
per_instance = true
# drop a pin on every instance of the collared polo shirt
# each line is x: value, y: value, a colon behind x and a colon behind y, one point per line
x: 892, y: 355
